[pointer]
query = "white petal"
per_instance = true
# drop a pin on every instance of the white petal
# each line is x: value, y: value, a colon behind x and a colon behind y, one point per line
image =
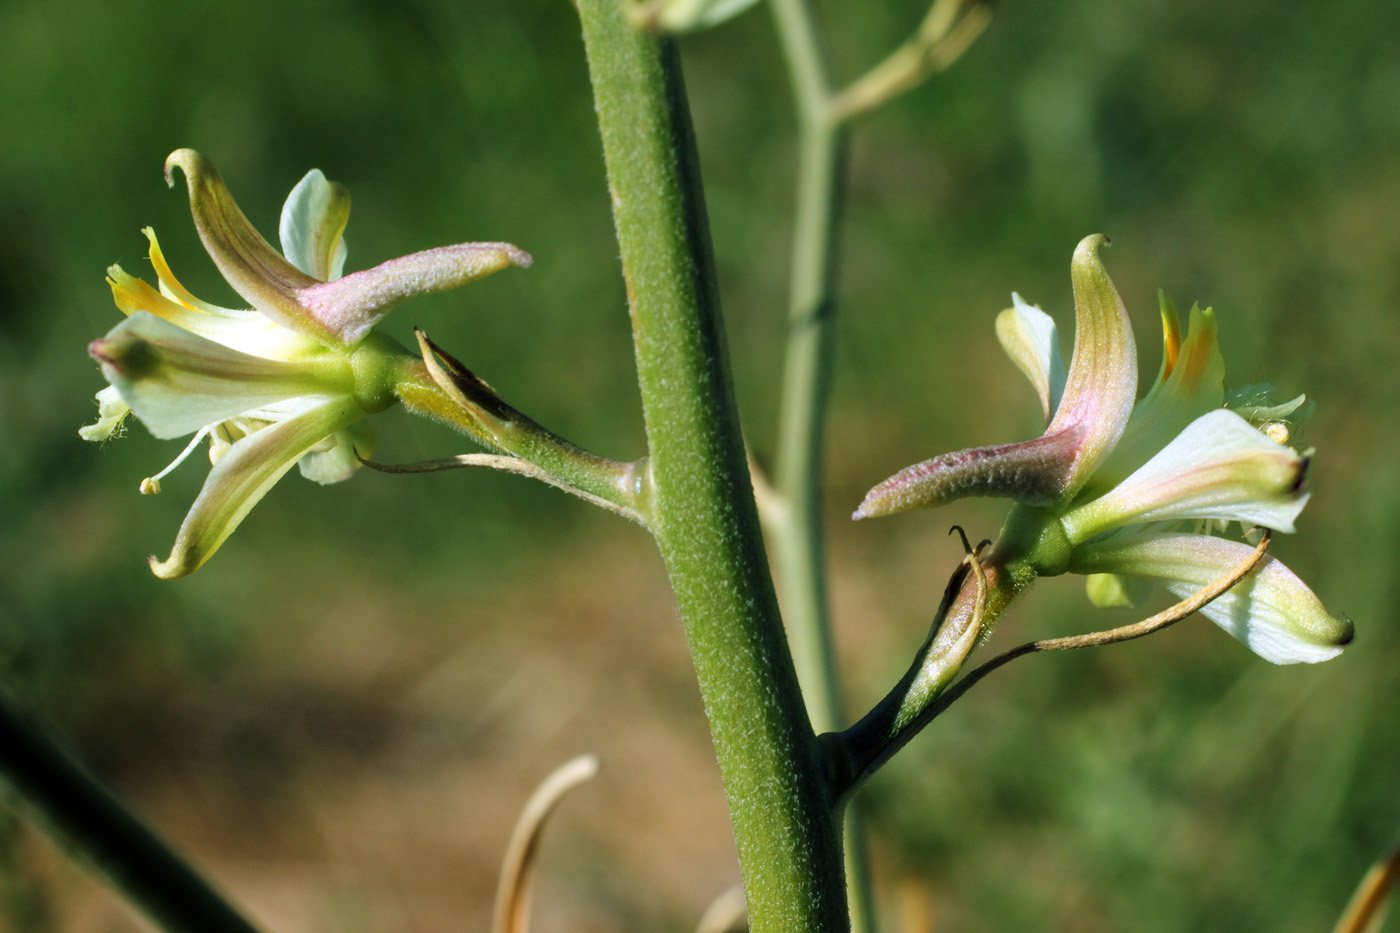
x: 1218, y: 468
x: 313, y: 221
x: 1271, y: 611
x: 338, y: 462
x: 1029, y: 337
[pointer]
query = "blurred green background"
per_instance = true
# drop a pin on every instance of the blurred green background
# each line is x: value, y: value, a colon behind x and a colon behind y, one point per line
x: 339, y: 716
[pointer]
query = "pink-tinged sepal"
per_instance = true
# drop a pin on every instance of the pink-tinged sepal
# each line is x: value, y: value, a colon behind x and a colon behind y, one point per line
x: 1035, y: 472
x: 349, y: 307
x: 1101, y: 384
x: 1271, y: 610
x: 1089, y: 418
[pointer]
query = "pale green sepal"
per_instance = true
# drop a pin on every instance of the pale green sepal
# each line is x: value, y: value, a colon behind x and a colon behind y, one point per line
x: 259, y: 273
x: 1271, y: 610
x: 313, y: 226
x: 243, y: 476
x: 1102, y: 380
x: 1030, y: 338
x: 1252, y: 403
x: 1218, y: 468
x: 177, y: 382
x: 338, y: 461
x: 111, y: 412
x: 1281, y: 422
x: 1190, y: 384
x: 1114, y: 591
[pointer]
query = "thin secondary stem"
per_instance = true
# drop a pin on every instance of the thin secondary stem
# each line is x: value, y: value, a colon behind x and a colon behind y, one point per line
x: 704, y: 517
x: 950, y: 27
x: 798, y: 534
x: 100, y: 829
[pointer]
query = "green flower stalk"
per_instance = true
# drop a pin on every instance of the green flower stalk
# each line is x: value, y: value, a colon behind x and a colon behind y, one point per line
x: 1128, y: 493
x: 289, y: 380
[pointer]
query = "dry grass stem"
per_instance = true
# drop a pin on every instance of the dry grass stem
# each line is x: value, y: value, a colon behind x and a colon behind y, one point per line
x: 512, y: 913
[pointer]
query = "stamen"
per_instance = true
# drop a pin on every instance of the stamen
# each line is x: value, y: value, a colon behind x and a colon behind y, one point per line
x: 150, y: 486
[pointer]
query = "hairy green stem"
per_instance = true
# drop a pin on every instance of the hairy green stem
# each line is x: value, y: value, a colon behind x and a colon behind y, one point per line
x: 88, y: 818
x: 705, y: 521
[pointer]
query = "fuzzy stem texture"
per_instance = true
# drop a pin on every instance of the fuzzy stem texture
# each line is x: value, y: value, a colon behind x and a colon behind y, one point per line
x: 705, y: 521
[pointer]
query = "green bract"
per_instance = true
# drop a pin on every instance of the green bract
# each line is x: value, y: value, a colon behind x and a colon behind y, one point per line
x: 1117, y: 481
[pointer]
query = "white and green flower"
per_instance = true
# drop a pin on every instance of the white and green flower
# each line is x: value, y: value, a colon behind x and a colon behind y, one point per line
x: 288, y: 380
x: 1109, y: 486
